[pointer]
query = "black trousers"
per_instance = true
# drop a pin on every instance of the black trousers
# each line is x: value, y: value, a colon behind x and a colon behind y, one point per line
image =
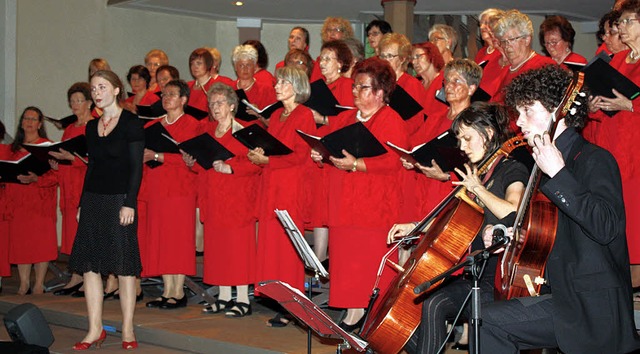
x: 522, y: 323
x: 439, y: 307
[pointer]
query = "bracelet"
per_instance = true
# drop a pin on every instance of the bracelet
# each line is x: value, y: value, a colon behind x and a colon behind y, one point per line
x: 324, y: 120
x: 355, y: 165
x: 155, y: 157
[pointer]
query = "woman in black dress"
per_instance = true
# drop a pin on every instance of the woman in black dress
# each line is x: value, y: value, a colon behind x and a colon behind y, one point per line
x: 106, y: 242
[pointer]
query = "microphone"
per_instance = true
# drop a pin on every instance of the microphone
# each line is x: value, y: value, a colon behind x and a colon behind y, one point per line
x: 499, y: 234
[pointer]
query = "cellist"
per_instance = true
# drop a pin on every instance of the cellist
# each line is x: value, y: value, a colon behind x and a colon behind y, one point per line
x: 481, y: 129
x: 587, y: 305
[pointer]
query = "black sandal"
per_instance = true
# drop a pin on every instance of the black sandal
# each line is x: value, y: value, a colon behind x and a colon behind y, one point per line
x: 278, y: 321
x: 238, y: 309
x: 219, y: 305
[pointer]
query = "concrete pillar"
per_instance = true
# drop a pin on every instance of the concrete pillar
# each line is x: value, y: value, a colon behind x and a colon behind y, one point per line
x: 399, y: 13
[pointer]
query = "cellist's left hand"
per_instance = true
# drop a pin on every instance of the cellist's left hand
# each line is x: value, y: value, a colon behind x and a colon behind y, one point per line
x: 547, y: 155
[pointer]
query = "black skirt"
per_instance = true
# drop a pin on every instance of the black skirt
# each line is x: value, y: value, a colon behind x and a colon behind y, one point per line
x: 102, y: 245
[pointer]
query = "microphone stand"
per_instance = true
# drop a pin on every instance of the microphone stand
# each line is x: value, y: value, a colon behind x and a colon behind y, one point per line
x: 474, y: 261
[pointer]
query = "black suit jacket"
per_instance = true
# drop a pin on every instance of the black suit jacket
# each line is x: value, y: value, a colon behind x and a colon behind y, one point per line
x: 588, y: 268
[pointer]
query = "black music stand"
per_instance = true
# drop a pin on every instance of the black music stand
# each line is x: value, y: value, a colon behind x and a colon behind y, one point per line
x: 310, y: 314
x: 311, y: 262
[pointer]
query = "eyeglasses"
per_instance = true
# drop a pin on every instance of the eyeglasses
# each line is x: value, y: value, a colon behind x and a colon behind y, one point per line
x: 152, y: 64
x: 335, y: 29
x: 31, y: 119
x: 551, y: 43
x: 77, y: 101
x: 625, y: 21
x: 388, y: 56
x: 455, y: 82
x: 374, y: 33
x: 170, y: 95
x: 417, y: 56
x: 435, y: 39
x: 217, y: 103
x: 510, y: 41
x: 295, y: 62
x: 282, y: 82
x: 360, y: 87
x: 322, y: 59
x: 610, y: 33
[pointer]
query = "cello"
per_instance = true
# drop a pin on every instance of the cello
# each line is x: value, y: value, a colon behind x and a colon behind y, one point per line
x: 452, y: 226
x: 521, y: 266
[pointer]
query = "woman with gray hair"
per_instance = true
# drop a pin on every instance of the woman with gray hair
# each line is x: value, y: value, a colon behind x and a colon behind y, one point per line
x: 229, y: 226
x: 282, y: 183
x: 461, y: 79
x: 488, y: 52
x: 514, y: 32
x: 245, y: 61
x: 445, y: 38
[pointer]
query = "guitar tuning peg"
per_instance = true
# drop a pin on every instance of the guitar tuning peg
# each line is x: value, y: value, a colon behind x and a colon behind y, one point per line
x: 577, y: 103
x: 582, y: 94
x: 573, y: 111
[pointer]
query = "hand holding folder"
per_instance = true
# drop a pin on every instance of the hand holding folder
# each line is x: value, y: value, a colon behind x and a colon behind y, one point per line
x: 155, y: 141
x: 10, y: 170
x: 356, y: 139
x: 254, y: 136
x: 76, y: 146
x: 204, y: 148
x: 443, y: 149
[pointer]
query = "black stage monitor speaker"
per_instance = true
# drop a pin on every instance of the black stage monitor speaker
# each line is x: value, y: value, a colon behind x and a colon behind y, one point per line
x: 26, y: 324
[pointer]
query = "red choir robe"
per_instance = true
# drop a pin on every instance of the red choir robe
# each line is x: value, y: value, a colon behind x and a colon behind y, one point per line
x: 362, y: 208
x: 32, y: 217
x: 71, y: 179
x: 282, y: 187
x: 166, y: 208
x: 228, y: 212
x: 618, y: 134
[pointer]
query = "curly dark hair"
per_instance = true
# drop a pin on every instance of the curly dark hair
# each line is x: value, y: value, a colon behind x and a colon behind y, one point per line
x: 608, y: 18
x: 142, y: 72
x: 382, y: 75
x: 484, y: 117
x: 547, y: 85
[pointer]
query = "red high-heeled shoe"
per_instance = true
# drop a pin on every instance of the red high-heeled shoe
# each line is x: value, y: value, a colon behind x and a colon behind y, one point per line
x: 87, y: 345
x: 129, y: 345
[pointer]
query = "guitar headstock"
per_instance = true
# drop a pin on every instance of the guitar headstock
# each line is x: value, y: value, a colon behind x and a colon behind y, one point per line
x: 568, y: 102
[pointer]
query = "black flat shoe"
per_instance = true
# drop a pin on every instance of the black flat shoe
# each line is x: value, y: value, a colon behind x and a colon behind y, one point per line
x: 69, y: 290
x: 157, y: 303
x: 178, y: 303
x: 109, y: 295
x: 352, y: 328
x: 78, y: 293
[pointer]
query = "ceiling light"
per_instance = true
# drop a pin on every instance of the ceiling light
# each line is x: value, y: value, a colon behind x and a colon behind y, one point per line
x: 238, y: 3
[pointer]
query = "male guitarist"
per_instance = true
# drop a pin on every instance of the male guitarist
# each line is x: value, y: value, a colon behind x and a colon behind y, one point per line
x: 587, y: 307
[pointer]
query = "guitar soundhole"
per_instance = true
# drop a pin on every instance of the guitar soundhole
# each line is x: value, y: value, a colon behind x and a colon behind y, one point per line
x: 409, y: 266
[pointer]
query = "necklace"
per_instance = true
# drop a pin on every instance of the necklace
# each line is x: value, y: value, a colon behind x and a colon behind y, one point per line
x: 166, y: 119
x: 198, y: 84
x: 524, y: 61
x: 105, y: 125
x: 223, y: 132
x: 253, y: 81
x: 362, y: 119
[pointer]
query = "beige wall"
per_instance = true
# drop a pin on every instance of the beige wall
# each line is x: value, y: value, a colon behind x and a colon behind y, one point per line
x: 57, y: 38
